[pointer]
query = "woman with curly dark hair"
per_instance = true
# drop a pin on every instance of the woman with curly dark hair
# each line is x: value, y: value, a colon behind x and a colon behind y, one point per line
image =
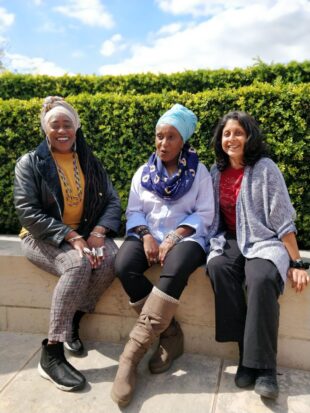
x: 68, y: 209
x: 253, y: 249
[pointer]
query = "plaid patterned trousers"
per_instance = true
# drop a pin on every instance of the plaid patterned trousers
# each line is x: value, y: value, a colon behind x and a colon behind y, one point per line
x: 79, y: 286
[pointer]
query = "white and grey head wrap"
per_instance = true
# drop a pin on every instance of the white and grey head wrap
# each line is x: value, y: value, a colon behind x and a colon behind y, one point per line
x: 56, y: 104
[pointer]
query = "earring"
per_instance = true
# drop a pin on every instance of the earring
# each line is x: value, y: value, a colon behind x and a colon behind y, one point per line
x: 74, y: 147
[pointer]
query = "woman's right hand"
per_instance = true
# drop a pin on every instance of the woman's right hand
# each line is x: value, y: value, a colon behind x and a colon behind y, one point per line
x: 151, y: 249
x: 79, y: 244
x: 299, y: 278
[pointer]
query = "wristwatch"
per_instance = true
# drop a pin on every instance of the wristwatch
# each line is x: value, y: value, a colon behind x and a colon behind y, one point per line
x: 141, y: 231
x: 299, y: 264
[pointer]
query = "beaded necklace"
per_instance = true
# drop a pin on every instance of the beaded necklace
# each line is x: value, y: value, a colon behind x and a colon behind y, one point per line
x: 72, y: 200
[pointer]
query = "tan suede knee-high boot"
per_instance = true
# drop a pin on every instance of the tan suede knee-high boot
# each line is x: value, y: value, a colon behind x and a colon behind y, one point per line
x: 170, y: 346
x: 155, y: 317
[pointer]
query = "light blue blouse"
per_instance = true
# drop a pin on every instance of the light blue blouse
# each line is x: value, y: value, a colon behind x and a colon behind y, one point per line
x: 195, y: 209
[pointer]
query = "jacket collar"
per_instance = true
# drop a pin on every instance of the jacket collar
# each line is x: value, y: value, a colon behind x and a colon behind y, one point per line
x: 47, y: 169
x: 42, y: 151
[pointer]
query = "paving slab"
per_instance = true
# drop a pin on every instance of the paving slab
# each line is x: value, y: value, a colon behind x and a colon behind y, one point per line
x: 294, y: 396
x: 188, y: 387
x: 16, y: 350
x: 195, y: 384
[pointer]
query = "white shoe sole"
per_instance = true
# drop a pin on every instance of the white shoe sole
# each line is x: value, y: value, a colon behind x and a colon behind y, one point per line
x: 59, y: 386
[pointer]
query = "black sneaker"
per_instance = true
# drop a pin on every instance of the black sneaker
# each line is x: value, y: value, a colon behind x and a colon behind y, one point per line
x: 266, y: 384
x: 53, y: 366
x: 245, y: 376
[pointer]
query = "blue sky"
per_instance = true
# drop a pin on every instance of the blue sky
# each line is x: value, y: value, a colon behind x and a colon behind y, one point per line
x: 131, y: 36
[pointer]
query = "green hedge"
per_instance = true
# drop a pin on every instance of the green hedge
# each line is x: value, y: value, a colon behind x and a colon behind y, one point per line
x: 29, y: 86
x: 120, y: 129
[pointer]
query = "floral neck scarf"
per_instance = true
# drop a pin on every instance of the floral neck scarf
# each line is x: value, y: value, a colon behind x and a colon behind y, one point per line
x: 171, y: 188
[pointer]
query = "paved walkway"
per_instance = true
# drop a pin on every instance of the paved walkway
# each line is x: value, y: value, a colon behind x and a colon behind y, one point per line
x: 195, y: 383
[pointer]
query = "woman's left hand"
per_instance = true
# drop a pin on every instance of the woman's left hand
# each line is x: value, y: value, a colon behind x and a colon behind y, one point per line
x: 299, y: 278
x: 98, y: 245
x: 164, y: 248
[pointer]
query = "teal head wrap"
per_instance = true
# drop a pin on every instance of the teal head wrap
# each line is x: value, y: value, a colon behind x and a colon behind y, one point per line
x: 183, y: 119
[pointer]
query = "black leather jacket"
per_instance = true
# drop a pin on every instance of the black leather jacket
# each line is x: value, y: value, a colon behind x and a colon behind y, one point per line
x: 39, y: 201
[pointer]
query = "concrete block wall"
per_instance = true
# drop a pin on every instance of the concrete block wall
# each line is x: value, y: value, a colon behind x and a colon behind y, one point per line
x: 26, y: 291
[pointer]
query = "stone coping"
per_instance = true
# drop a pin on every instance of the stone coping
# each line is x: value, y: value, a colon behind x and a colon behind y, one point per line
x: 10, y: 245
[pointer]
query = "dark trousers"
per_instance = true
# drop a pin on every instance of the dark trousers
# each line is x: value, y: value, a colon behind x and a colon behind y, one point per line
x: 246, y: 304
x: 180, y: 262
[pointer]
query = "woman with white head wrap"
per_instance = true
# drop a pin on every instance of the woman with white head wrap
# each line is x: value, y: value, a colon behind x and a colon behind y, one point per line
x: 169, y: 210
x: 66, y: 205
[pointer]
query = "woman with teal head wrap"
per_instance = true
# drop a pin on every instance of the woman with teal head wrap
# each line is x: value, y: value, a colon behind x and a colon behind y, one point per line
x: 183, y: 119
x: 169, y: 210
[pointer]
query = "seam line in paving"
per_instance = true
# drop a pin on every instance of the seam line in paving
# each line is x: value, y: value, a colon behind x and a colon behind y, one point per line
x: 216, y: 391
x: 19, y: 370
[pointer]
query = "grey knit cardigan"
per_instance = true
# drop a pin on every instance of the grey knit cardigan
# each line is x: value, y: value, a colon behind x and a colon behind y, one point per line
x: 264, y: 214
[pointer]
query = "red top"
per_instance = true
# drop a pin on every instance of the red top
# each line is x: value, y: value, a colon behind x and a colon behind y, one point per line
x: 230, y: 184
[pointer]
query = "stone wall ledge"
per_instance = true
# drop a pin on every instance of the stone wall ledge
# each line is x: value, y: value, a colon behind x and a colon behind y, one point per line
x: 26, y: 291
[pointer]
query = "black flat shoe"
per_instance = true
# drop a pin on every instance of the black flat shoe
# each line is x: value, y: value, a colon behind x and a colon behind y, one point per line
x: 266, y: 384
x: 75, y: 347
x: 245, y: 376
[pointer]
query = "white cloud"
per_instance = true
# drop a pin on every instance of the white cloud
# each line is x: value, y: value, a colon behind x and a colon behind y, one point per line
x: 33, y: 65
x: 113, y: 45
x: 231, y: 38
x: 6, y: 19
x: 89, y: 12
x: 203, y: 7
x: 170, y: 29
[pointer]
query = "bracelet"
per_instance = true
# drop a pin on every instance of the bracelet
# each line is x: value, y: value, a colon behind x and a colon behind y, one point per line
x: 173, y: 236
x: 74, y: 238
x: 97, y: 234
x: 300, y: 264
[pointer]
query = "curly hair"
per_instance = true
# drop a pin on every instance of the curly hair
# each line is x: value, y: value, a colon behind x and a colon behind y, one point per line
x: 255, y: 147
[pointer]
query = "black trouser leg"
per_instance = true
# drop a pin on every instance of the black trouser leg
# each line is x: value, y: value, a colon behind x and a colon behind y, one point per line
x: 264, y: 285
x: 227, y: 277
x: 180, y: 262
x: 255, y: 322
x: 130, y: 265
